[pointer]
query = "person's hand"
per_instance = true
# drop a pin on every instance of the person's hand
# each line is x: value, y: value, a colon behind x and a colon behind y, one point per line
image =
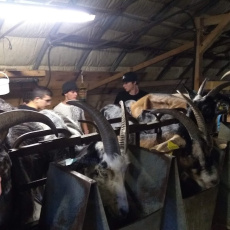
x: 86, y: 131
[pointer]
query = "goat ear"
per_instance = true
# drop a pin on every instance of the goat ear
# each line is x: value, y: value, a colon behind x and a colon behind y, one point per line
x: 88, y: 155
x: 3, y: 135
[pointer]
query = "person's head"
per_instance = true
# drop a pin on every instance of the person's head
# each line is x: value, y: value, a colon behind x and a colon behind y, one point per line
x: 130, y: 81
x: 39, y: 98
x: 69, y: 90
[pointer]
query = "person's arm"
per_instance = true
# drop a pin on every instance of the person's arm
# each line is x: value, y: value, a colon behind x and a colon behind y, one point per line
x: 117, y: 99
x: 85, y: 128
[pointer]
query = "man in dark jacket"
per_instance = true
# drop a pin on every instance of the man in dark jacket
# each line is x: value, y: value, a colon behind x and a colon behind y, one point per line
x: 37, y: 99
x: 131, y: 89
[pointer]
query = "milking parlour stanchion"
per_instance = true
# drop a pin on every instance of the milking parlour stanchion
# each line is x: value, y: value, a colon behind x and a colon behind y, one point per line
x: 194, y: 212
x: 146, y: 183
x: 76, y: 202
x: 222, y: 211
x: 72, y: 199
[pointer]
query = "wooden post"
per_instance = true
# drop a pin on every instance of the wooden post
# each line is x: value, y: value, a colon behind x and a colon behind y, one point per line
x: 199, y: 53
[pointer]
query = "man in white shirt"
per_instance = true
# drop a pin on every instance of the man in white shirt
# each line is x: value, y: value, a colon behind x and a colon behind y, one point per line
x: 69, y: 90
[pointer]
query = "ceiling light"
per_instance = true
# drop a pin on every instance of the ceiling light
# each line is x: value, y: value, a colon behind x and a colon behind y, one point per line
x: 38, y: 13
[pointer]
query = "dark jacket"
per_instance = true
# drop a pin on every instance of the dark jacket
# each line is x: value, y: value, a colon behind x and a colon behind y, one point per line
x: 125, y: 96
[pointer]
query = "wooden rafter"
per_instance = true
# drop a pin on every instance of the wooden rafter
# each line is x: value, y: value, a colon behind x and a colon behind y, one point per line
x: 208, y: 41
x: 203, y: 43
x: 26, y: 73
x: 214, y: 20
x: 212, y: 84
x: 199, y: 54
x: 145, y: 64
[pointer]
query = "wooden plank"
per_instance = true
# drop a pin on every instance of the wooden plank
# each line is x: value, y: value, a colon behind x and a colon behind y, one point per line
x: 26, y: 73
x: 199, y: 54
x: 208, y: 41
x: 212, y: 84
x: 214, y: 20
x: 145, y: 64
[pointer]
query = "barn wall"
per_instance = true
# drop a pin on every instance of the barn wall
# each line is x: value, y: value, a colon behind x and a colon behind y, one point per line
x: 97, y: 97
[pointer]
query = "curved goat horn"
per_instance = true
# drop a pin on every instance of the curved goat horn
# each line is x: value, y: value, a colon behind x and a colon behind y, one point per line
x: 198, y: 115
x: 190, y: 92
x: 191, y: 127
x: 107, y: 133
x: 217, y: 89
x: 201, y: 88
x: 226, y: 74
x: 15, y: 117
x: 124, y: 130
x: 199, y: 119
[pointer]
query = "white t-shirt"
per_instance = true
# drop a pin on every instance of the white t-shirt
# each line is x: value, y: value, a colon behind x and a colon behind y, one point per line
x: 73, y: 112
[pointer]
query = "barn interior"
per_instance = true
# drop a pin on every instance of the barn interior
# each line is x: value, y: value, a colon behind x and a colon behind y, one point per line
x: 167, y: 43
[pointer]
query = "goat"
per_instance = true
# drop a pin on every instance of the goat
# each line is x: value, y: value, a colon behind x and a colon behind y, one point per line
x: 209, y: 104
x: 111, y: 162
x: 197, y: 157
x: 141, y: 111
x: 30, y: 170
x: 106, y: 162
x: 7, y: 121
x: 198, y: 160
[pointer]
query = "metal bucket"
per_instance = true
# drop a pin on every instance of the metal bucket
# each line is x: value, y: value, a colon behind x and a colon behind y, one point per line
x: 72, y: 201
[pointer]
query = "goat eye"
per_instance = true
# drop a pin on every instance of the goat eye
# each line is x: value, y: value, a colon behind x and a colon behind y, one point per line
x: 104, y: 165
x: 96, y: 173
x: 222, y: 106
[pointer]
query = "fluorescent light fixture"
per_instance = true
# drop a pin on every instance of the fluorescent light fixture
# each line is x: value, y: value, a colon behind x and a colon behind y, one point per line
x: 37, y: 13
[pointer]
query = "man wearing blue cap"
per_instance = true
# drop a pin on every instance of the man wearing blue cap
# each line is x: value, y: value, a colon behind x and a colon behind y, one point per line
x: 131, y: 89
x: 69, y: 90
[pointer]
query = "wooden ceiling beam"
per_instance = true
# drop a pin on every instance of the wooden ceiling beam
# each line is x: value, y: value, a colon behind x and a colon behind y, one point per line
x: 204, y: 42
x: 212, y: 84
x: 26, y: 73
x: 145, y: 64
x: 214, y: 20
x: 199, y: 54
x: 209, y: 40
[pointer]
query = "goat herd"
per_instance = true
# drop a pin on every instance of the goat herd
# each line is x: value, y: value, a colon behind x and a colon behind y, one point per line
x: 192, y: 141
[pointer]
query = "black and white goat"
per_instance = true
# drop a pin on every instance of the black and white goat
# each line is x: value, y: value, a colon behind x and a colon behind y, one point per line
x: 198, y: 161
x: 209, y: 104
x: 106, y: 162
x: 8, y: 120
x: 148, y: 138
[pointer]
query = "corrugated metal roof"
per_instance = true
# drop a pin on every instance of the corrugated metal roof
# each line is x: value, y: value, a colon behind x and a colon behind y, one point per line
x: 123, y: 34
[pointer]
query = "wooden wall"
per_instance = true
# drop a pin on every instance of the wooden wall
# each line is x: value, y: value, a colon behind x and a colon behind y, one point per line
x: 97, y: 97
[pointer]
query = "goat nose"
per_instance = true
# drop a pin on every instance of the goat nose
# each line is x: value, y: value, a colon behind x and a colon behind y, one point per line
x: 123, y: 212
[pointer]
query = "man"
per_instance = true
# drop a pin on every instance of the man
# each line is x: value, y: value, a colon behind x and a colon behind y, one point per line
x: 69, y: 90
x: 132, y: 91
x: 37, y: 99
